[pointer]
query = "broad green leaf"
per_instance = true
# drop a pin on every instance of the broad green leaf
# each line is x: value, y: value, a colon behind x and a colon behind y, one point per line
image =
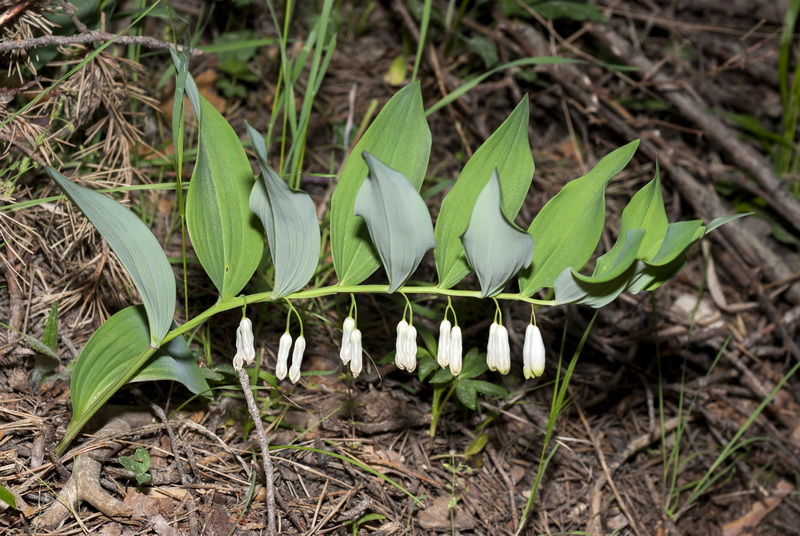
x: 597, y: 294
x: 645, y: 211
x: 650, y: 277
x: 137, y: 249
x: 508, y: 151
x: 397, y: 219
x: 223, y: 231
x: 7, y: 497
x: 494, y: 247
x: 474, y: 365
x: 567, y: 229
x: 605, y: 285
x: 400, y: 138
x: 174, y: 361
x: 290, y: 220
x: 669, y: 258
x: 112, y: 357
x: 491, y: 389
x: 467, y: 394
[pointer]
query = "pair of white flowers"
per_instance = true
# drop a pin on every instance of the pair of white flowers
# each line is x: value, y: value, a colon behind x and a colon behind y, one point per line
x: 498, y: 353
x: 449, y: 352
x: 406, y: 355
x: 351, y: 352
x: 246, y: 353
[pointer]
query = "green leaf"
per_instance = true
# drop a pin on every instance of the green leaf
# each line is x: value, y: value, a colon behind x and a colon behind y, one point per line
x: 7, y: 497
x: 491, y: 389
x: 137, y: 249
x: 50, y: 335
x: 400, y: 138
x: 290, y: 220
x: 645, y: 211
x: 467, y: 395
x: 397, y: 219
x: 222, y: 228
x: 717, y: 222
x: 567, y: 229
x: 494, y: 246
x: 669, y: 258
x: 174, y: 361
x: 508, y: 151
x: 111, y: 358
x: 602, y: 289
x: 473, y: 366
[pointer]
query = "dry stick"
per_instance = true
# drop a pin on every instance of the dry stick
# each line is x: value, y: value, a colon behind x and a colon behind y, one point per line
x: 244, y: 379
x: 744, y: 155
x: 91, y: 37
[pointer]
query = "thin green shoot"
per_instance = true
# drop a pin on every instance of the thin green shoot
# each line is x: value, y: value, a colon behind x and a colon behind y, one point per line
x: 559, y: 394
x: 735, y: 444
x: 423, y: 37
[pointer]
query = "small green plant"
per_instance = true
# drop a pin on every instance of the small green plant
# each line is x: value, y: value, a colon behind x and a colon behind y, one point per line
x: 139, y: 463
x: 455, y: 469
x: 465, y: 385
x: 356, y: 525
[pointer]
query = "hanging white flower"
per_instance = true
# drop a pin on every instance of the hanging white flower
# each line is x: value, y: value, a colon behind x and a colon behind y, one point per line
x: 347, y: 330
x: 455, y: 352
x: 444, y: 349
x: 492, y: 348
x: 503, y: 357
x: 245, y: 351
x: 400, y: 345
x: 533, y: 355
x: 411, y: 349
x: 356, y: 353
x: 283, y: 355
x: 297, y: 358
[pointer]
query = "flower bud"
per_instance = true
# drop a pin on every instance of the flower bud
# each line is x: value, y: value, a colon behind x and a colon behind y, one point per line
x: 443, y: 352
x: 347, y: 329
x: 245, y: 351
x: 455, y: 352
x: 492, y: 348
x: 297, y: 358
x: 411, y: 349
x: 356, y: 354
x: 400, y: 345
x: 533, y: 354
x: 503, y: 358
x: 283, y: 355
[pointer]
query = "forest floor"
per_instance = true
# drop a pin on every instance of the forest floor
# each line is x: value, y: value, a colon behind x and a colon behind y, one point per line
x: 683, y: 412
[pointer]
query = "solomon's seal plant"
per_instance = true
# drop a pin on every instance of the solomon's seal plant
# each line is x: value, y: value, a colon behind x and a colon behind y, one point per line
x: 377, y: 219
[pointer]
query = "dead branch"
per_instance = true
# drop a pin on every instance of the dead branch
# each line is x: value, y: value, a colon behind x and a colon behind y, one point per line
x: 93, y: 36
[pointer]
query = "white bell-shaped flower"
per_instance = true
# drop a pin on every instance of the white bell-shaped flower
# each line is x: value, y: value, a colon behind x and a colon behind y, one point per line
x: 356, y: 353
x: 444, y: 349
x: 284, y: 346
x: 400, y: 345
x: 411, y: 349
x: 533, y: 355
x: 455, y: 352
x: 245, y: 351
x: 503, y: 357
x: 347, y: 330
x: 492, y: 348
x: 297, y: 358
